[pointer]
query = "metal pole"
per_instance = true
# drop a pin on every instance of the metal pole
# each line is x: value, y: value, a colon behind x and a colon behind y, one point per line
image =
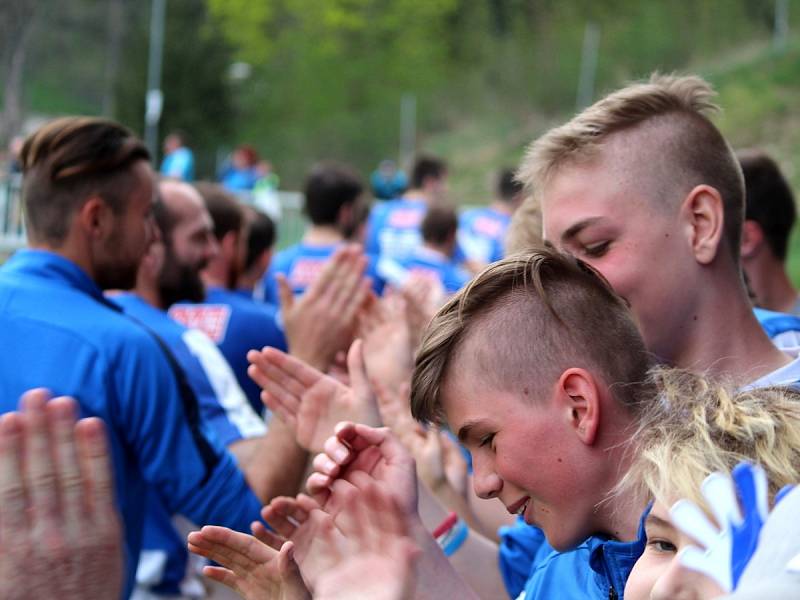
x: 408, y: 128
x: 591, y: 44
x: 781, y: 32
x: 154, y: 100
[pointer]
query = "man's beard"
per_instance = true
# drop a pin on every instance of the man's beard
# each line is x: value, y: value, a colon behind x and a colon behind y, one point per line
x: 116, y: 276
x: 179, y: 282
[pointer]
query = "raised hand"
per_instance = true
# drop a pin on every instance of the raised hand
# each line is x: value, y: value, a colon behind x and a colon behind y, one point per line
x: 423, y: 298
x: 310, y: 402
x: 250, y: 567
x: 60, y: 535
x: 374, y: 557
x: 388, y: 352
x: 358, y: 451
x: 322, y: 321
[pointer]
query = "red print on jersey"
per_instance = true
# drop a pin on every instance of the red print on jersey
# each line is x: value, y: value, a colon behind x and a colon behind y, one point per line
x: 211, y: 319
x: 305, y: 271
x: 405, y: 218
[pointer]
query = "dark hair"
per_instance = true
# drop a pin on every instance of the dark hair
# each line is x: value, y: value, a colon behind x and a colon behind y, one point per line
x: 508, y: 187
x: 260, y: 235
x: 223, y: 208
x: 181, y: 135
x: 330, y: 186
x: 425, y: 167
x: 440, y: 224
x: 70, y: 159
x: 769, y: 199
x: 164, y: 218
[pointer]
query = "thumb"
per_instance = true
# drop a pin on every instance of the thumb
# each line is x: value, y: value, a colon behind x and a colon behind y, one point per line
x: 285, y: 294
x: 357, y: 369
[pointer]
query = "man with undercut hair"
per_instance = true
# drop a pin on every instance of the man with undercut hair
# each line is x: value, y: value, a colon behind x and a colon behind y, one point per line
x: 88, y: 190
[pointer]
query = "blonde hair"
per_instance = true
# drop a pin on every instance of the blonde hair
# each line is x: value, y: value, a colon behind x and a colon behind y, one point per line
x: 525, y: 230
x: 698, y: 426
x: 680, y: 147
x: 538, y: 313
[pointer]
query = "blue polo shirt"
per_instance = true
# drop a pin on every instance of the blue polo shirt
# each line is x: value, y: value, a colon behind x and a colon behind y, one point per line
x: 393, y: 228
x: 597, y: 569
x: 429, y: 263
x: 67, y: 337
x: 237, y: 325
x: 301, y: 264
x: 481, y: 234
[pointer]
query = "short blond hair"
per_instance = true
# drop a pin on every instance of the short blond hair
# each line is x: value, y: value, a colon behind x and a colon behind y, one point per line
x: 698, y: 426
x: 538, y: 313
x: 525, y: 230
x: 672, y: 112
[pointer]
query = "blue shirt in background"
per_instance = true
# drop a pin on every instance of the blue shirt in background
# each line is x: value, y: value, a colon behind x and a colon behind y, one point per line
x: 301, y: 264
x: 393, y: 228
x: 430, y: 263
x: 237, y: 325
x: 481, y: 234
x: 179, y: 164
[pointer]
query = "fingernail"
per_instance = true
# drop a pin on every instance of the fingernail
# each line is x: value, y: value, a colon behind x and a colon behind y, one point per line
x: 339, y: 454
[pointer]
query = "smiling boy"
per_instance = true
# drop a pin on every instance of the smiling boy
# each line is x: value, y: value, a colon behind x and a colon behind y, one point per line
x: 547, y: 413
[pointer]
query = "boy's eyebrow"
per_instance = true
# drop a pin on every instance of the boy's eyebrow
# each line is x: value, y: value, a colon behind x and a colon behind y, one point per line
x: 466, y: 429
x: 576, y: 228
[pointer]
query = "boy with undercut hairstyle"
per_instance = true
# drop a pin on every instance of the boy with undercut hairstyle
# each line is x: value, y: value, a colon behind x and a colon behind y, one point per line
x: 560, y: 392
x: 641, y: 179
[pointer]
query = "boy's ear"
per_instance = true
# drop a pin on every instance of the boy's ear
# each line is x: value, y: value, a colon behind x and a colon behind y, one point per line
x: 580, y: 398
x: 752, y: 238
x: 704, y: 217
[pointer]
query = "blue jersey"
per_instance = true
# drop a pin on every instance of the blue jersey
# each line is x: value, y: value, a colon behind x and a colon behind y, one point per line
x: 226, y: 414
x: 597, y: 569
x: 429, y: 263
x: 393, y: 228
x: 301, y: 264
x: 67, y: 337
x: 237, y: 325
x: 481, y: 234
x: 179, y: 164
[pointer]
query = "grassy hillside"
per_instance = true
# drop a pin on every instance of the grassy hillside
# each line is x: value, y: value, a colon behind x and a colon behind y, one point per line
x: 759, y: 91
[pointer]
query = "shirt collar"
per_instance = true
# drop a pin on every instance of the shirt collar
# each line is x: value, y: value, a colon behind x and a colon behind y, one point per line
x: 612, y: 560
x: 51, y: 266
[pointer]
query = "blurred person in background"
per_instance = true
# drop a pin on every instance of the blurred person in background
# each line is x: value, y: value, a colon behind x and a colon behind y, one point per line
x: 387, y: 181
x: 178, y: 160
x: 235, y: 323
x: 434, y: 259
x: 770, y: 215
x: 393, y: 227
x: 333, y: 196
x: 482, y: 231
x: 258, y: 250
x: 241, y: 172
